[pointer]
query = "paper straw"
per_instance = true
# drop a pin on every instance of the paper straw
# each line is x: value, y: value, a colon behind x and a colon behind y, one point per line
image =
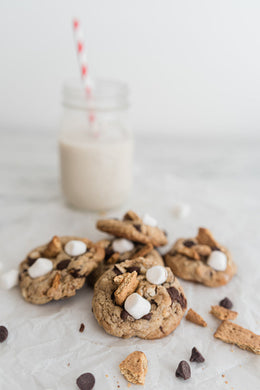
x: 83, y: 63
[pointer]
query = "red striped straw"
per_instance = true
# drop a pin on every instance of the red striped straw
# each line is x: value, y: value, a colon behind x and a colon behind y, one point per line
x: 83, y: 62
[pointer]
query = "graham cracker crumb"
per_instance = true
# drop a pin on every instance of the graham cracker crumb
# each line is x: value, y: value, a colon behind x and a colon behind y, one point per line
x: 234, y: 334
x: 205, y: 237
x: 194, y: 317
x: 222, y: 313
x: 127, y: 286
x: 134, y: 367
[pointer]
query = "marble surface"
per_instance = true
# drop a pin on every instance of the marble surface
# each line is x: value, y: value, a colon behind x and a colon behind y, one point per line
x: 219, y: 178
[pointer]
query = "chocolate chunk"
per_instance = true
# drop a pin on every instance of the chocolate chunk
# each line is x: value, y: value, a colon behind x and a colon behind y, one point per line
x: 188, y: 243
x: 31, y: 261
x: 124, y: 314
x: 86, y: 381
x: 183, y: 370
x: 176, y: 296
x: 63, y: 264
x: 138, y: 227
x: 3, y: 334
x: 117, y: 270
x: 215, y: 248
x: 147, y: 317
x: 196, y: 356
x: 82, y: 328
x: 161, y: 329
x: 132, y: 269
x: 226, y: 302
x: 108, y: 253
x: 76, y: 273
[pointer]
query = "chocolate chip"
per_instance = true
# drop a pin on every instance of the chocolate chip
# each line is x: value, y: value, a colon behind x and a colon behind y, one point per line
x: 183, y: 370
x: 124, y: 314
x: 20, y: 277
x: 86, y: 381
x: 188, y: 243
x: 117, y: 270
x: 3, y: 334
x: 76, y: 273
x: 31, y: 261
x: 226, y: 302
x: 138, y: 227
x: 215, y: 248
x: 82, y: 327
x: 147, y: 317
x: 63, y: 264
x: 176, y: 296
x: 161, y: 329
x: 132, y: 269
x: 196, y: 356
x: 108, y: 253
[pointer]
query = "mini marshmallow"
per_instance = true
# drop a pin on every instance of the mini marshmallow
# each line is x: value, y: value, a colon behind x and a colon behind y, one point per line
x: 182, y: 210
x: 9, y: 279
x: 122, y: 245
x: 137, y: 306
x: 148, y: 220
x: 40, y: 267
x: 217, y: 260
x: 157, y: 274
x: 75, y: 248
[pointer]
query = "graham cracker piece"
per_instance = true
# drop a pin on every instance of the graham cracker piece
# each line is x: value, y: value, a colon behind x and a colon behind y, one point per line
x: 53, y: 248
x: 131, y: 216
x: 113, y: 259
x: 222, y: 313
x: 143, y: 251
x: 128, y: 285
x: 56, y: 280
x: 205, y: 237
x: 134, y: 367
x: 194, y: 317
x: 234, y: 334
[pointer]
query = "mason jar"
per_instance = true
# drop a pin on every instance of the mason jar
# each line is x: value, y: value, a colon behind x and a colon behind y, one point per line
x: 96, y: 146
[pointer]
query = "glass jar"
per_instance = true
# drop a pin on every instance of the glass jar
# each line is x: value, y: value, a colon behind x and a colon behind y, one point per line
x: 96, y: 146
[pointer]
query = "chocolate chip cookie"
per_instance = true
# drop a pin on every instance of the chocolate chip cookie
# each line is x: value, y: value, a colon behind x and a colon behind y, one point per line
x: 49, y: 272
x: 111, y: 257
x: 156, y: 309
x: 133, y: 228
x: 201, y: 259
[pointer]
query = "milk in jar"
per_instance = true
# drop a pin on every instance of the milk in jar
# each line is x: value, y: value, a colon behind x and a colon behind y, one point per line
x: 96, y: 157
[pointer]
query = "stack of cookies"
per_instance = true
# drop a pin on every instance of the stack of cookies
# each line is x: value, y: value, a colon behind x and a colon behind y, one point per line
x: 135, y: 294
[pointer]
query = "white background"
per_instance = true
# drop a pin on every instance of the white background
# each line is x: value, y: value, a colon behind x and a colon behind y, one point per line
x: 193, y: 66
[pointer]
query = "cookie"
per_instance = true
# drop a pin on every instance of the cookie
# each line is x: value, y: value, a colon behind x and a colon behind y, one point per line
x: 134, y: 229
x: 194, y: 317
x: 63, y: 273
x: 111, y: 258
x: 201, y: 259
x: 234, y: 334
x: 134, y: 367
x: 222, y: 313
x: 150, y: 311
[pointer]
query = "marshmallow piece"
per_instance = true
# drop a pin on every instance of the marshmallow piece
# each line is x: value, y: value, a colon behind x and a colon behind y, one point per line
x: 40, y: 267
x: 137, y: 306
x: 217, y: 260
x: 122, y: 245
x: 75, y: 248
x: 148, y: 220
x: 157, y: 274
x: 9, y: 279
x: 182, y: 210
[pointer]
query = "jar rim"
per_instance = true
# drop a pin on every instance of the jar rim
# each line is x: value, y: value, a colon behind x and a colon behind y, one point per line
x: 107, y: 93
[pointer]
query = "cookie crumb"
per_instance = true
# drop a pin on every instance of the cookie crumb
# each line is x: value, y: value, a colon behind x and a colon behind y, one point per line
x: 106, y: 376
x: 82, y: 328
x: 134, y: 367
x: 226, y: 382
x: 68, y: 364
x: 194, y: 317
x: 223, y: 376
